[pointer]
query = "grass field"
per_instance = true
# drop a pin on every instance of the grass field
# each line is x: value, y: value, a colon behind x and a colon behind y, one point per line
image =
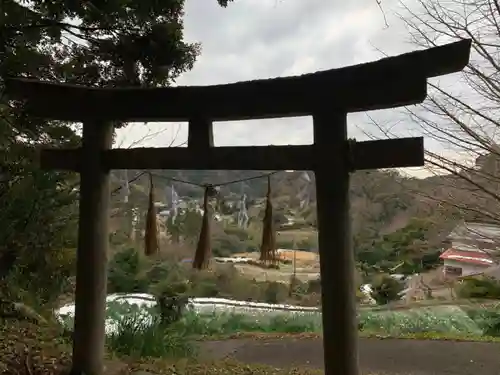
x: 445, y: 321
x: 297, y: 235
x: 481, y: 322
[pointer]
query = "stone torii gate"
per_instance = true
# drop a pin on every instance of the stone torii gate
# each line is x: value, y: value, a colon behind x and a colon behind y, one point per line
x: 327, y: 96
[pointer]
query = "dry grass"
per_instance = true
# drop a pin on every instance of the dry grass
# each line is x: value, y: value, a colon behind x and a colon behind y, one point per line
x: 300, y: 256
x: 28, y: 349
x: 282, y: 275
x: 306, y: 260
x: 224, y: 367
x: 296, y: 235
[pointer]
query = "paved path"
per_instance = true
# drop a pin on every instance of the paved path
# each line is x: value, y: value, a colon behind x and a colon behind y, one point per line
x: 387, y: 357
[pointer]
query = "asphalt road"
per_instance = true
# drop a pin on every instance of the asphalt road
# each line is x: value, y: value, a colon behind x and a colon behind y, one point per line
x: 377, y: 356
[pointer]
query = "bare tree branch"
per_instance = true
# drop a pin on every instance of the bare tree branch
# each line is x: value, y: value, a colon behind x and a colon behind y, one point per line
x: 462, y: 119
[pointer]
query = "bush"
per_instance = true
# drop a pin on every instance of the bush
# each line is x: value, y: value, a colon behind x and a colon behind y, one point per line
x: 284, y: 244
x: 385, y: 289
x: 239, y: 233
x: 159, y: 272
x: 124, y: 275
x: 275, y: 292
x: 311, y: 300
x: 263, y: 265
x: 45, y: 287
x: 230, y: 323
x: 38, y: 236
x: 478, y: 287
x: 308, y: 243
x: 227, y: 282
x: 205, y: 288
x: 130, y: 272
x: 488, y: 320
x: 136, y: 337
x: 225, y: 245
x: 171, y: 308
x: 314, y: 286
x: 252, y: 248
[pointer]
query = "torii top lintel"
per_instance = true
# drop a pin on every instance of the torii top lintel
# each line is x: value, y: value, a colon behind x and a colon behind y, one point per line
x: 386, y: 83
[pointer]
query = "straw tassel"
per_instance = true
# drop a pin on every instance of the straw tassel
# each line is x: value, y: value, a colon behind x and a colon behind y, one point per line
x: 268, y: 246
x: 151, y: 231
x: 203, y: 250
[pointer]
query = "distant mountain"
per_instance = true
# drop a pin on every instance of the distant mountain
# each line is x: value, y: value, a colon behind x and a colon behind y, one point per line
x: 378, y: 197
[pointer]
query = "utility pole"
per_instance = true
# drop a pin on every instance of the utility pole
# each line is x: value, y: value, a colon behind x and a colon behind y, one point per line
x: 293, y: 278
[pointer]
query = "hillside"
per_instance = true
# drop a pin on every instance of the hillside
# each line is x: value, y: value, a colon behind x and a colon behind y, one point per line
x: 382, y: 201
x: 395, y: 219
x: 389, y: 211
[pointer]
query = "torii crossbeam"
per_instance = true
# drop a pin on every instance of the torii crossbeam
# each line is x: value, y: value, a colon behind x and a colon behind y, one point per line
x: 327, y: 96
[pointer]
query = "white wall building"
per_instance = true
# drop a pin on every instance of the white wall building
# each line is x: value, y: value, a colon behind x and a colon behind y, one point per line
x: 474, y: 247
x: 457, y: 265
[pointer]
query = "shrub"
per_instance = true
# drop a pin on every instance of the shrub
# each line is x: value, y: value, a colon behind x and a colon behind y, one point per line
x: 130, y: 272
x: 275, y: 292
x: 478, y: 287
x: 252, y: 248
x: 488, y: 320
x: 171, y: 308
x: 239, y: 233
x: 161, y: 271
x: 284, y: 244
x: 308, y: 243
x: 46, y: 287
x: 124, y: 275
x: 314, y: 286
x: 385, y: 289
x: 230, y: 323
x: 225, y: 245
x: 136, y: 337
x: 205, y: 288
x: 263, y: 265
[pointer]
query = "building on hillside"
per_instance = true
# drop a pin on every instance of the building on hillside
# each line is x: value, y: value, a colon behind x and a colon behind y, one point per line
x: 492, y: 272
x: 471, y: 248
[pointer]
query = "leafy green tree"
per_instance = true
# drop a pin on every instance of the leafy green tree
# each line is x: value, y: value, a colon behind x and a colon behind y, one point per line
x: 385, y: 289
x: 186, y: 226
x: 478, y: 287
x: 100, y: 44
x: 124, y: 275
x: 224, y: 245
x: 408, y: 250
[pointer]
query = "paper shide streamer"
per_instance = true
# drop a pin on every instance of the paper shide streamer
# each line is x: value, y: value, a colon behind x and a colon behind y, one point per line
x: 125, y: 189
x: 268, y: 245
x: 151, y: 231
x: 203, y: 249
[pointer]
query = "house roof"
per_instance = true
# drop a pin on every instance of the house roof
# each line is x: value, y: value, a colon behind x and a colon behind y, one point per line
x: 476, y: 231
x: 471, y: 257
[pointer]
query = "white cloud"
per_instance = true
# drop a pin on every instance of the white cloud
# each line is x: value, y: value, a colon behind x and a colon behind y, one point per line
x: 253, y: 39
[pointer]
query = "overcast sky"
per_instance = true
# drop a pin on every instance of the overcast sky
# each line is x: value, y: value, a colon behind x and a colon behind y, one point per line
x: 253, y: 39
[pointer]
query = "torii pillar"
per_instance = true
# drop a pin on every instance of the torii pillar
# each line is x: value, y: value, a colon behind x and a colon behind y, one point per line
x: 327, y: 96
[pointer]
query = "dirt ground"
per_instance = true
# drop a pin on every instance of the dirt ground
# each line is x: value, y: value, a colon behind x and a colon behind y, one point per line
x: 377, y: 356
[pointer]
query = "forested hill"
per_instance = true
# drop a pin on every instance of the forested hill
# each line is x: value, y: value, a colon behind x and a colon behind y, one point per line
x: 381, y: 201
x: 394, y: 218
